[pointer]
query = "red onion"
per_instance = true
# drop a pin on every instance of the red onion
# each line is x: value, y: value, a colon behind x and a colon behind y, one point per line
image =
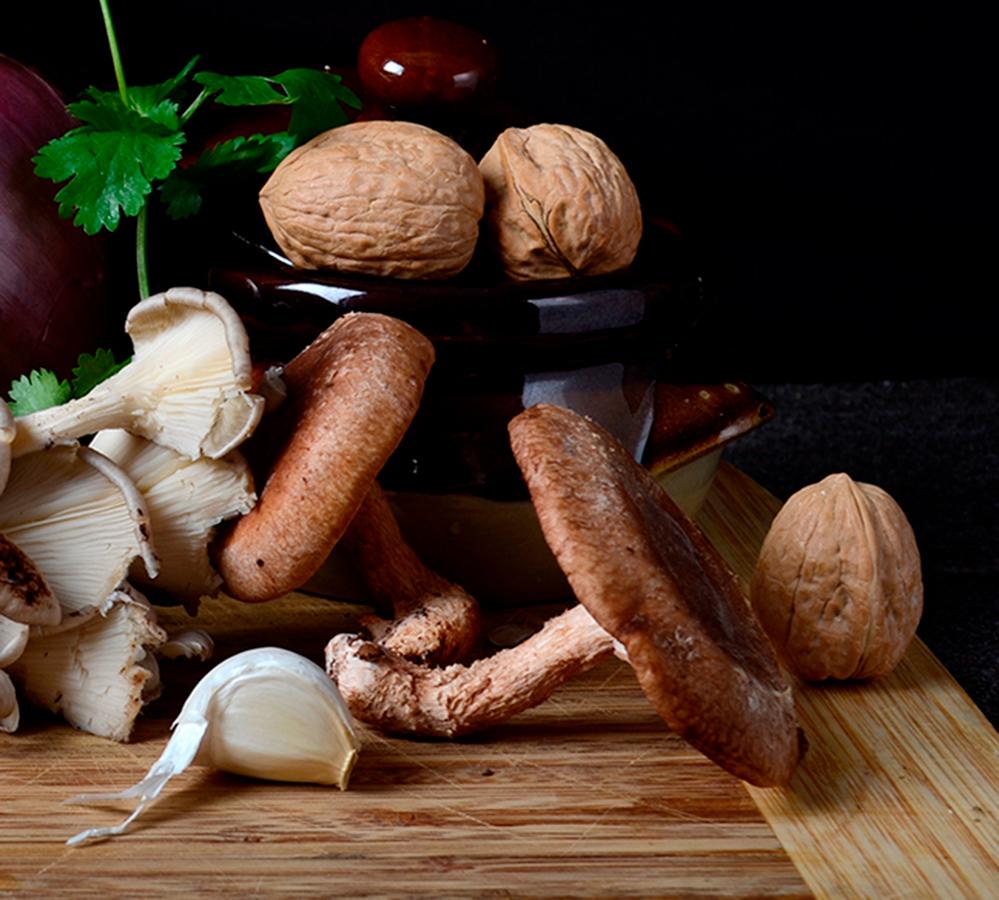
x: 52, y: 291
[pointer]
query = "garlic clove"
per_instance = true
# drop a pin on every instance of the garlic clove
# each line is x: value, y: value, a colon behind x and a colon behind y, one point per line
x: 266, y: 713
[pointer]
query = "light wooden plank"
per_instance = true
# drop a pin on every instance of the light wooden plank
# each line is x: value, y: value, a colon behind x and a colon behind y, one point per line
x: 899, y: 793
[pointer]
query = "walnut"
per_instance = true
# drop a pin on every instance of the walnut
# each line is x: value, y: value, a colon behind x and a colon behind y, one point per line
x: 837, y: 585
x: 379, y: 198
x: 560, y: 203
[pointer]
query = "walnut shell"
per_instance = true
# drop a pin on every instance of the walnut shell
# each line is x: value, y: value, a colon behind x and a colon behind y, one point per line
x: 837, y: 585
x: 560, y: 203
x: 394, y: 199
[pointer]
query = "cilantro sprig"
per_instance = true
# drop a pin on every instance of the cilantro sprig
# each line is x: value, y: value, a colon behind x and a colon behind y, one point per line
x: 42, y: 388
x: 129, y: 142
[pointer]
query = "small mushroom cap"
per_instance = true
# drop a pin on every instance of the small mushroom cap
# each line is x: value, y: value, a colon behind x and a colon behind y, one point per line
x: 25, y: 596
x: 352, y: 394
x: 649, y: 576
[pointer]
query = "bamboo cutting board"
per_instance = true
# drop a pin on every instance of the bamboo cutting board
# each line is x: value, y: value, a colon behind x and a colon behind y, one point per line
x: 587, y: 795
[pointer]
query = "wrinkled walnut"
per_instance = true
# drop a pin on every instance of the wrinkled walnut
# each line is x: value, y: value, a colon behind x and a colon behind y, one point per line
x: 560, y: 203
x: 379, y: 198
x: 837, y: 585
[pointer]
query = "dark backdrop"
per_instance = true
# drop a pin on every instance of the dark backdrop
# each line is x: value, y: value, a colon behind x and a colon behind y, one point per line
x: 833, y: 164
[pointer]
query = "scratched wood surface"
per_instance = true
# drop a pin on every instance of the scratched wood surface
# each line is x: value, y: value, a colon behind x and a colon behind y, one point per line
x: 588, y: 795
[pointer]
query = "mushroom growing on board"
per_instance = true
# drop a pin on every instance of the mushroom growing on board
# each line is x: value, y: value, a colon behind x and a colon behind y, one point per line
x: 187, y: 386
x: 652, y: 581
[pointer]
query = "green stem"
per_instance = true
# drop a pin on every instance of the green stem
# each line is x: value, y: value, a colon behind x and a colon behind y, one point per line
x: 119, y: 72
x: 193, y: 108
x: 140, y: 253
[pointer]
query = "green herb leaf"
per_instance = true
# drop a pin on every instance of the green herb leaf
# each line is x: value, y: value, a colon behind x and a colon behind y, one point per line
x: 241, y: 90
x: 91, y: 369
x: 147, y: 97
x: 39, y: 390
x: 316, y: 98
x: 111, y: 161
x: 229, y: 160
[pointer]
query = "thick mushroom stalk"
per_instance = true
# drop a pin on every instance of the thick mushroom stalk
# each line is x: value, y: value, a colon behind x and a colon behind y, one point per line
x: 384, y: 690
x: 351, y: 396
x: 187, y: 386
x: 185, y: 501
x: 81, y: 521
x: 648, y: 577
x: 98, y: 673
x: 435, y: 621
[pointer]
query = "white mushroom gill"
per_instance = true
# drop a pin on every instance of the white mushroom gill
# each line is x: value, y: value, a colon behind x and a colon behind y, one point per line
x: 81, y: 525
x: 185, y: 500
x: 94, y: 674
x: 187, y: 387
x: 7, y: 432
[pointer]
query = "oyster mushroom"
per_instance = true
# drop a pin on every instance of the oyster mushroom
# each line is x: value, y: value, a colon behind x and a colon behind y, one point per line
x: 7, y: 430
x: 24, y: 594
x: 97, y: 674
x: 187, y: 387
x: 646, y: 577
x: 185, y: 501
x: 13, y: 640
x: 81, y: 521
x: 10, y: 712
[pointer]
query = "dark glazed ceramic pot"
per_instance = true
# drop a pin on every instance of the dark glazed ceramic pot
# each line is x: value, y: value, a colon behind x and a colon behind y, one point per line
x: 596, y: 345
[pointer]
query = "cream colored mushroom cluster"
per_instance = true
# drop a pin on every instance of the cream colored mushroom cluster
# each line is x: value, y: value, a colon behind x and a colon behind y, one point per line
x: 82, y: 526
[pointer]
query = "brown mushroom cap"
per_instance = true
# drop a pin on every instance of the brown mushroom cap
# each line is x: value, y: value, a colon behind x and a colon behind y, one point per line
x: 351, y: 396
x: 649, y: 576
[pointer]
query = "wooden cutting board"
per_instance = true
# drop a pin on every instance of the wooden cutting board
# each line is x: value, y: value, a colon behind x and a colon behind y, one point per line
x: 587, y: 795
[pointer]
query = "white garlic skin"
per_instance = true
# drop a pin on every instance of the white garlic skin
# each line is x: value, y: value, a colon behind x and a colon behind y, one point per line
x: 274, y: 714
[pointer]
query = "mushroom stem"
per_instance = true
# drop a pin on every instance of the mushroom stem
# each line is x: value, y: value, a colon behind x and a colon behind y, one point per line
x: 187, y: 387
x: 435, y: 621
x: 395, y: 695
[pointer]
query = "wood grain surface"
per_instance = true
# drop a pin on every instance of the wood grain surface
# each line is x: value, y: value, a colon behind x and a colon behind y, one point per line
x: 587, y: 795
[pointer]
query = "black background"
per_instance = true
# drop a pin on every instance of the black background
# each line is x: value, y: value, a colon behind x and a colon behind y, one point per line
x: 833, y: 163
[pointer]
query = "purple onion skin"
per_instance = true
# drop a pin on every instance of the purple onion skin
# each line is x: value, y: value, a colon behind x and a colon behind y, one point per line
x: 53, y: 297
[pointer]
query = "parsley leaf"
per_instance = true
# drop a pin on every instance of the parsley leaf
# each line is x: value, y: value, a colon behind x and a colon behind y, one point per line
x: 111, y: 161
x: 235, y: 158
x: 42, y: 388
x: 91, y: 369
x: 316, y: 97
x: 241, y: 90
x: 145, y: 98
x: 39, y: 390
